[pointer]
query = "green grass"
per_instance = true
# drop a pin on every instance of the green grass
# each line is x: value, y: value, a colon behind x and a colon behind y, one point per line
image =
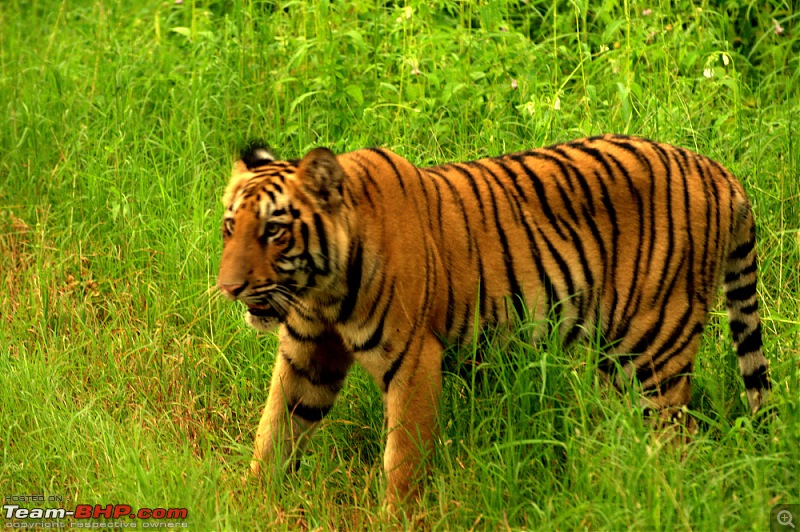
x: 125, y: 379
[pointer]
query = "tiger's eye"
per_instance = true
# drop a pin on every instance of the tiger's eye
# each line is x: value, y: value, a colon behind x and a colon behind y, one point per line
x: 272, y: 229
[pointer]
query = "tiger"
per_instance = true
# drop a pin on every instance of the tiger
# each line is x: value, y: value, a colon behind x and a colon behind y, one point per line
x: 364, y: 257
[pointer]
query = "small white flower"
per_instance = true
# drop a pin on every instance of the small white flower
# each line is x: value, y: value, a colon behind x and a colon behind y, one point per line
x: 777, y: 27
x: 408, y: 11
x: 647, y: 12
x: 707, y: 72
x: 416, y: 71
x: 725, y: 59
x: 603, y: 49
x: 514, y: 84
x: 557, y: 104
x: 530, y: 108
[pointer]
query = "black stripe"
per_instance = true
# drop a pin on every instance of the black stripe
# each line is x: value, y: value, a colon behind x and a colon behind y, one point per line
x: 481, y: 287
x: 439, y: 213
x: 566, y: 198
x: 737, y: 328
x: 757, y: 380
x: 668, y: 255
x: 323, y: 244
x: 611, y: 217
x: 573, y: 333
x: 563, y: 166
x: 367, y: 174
x: 377, y: 297
x: 664, y: 386
x: 587, y: 272
x: 562, y: 266
x: 657, y: 362
x: 652, y: 237
x: 588, y: 218
x: 301, y: 311
x: 511, y: 199
x: 512, y: 177
x: 330, y: 380
x: 630, y: 310
x: 742, y: 250
x: 299, y: 336
x: 306, y: 254
x: 473, y: 186
x: 390, y: 373
x: 309, y: 413
x: 689, y: 234
x: 304, y: 233
x: 362, y: 176
x: 540, y: 194
x: 450, y: 314
x: 427, y: 305
x: 377, y: 335
x: 582, y: 181
x: 420, y: 317
x: 354, y: 273
x: 460, y: 202
x: 514, y: 287
x: 465, y: 323
x: 646, y: 340
x: 385, y: 157
x: 751, y: 343
x: 752, y: 308
x: 522, y: 220
x: 734, y: 276
x: 742, y: 293
x: 423, y: 187
x: 707, y: 261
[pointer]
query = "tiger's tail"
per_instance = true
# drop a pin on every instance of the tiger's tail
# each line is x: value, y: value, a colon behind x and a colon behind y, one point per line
x: 742, y: 303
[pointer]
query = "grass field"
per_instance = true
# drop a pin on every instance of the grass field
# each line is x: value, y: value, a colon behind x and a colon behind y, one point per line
x: 126, y: 379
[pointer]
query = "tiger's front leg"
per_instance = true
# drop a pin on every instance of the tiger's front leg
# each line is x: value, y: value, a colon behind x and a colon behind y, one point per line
x: 412, y: 406
x: 307, y: 376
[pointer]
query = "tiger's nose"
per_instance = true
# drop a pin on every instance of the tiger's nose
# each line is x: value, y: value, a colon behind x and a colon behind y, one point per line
x: 232, y: 289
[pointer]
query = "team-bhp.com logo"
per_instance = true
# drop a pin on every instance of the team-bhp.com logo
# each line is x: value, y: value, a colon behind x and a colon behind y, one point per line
x: 86, y: 516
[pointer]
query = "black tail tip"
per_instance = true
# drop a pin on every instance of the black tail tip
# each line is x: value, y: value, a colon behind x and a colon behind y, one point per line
x: 758, y: 379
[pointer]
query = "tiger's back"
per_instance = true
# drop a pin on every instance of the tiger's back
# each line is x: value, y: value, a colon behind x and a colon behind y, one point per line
x: 616, y: 234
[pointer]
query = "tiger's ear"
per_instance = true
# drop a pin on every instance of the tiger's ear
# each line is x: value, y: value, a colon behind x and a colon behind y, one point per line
x: 255, y: 155
x: 322, y: 176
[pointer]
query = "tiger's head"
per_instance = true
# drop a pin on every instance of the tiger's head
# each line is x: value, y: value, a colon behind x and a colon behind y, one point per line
x: 284, y: 232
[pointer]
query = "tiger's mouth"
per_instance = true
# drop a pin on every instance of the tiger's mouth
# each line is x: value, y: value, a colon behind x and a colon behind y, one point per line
x: 263, y: 317
x: 263, y: 311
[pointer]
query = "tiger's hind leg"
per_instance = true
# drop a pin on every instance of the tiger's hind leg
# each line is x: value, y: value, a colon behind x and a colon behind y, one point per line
x: 666, y: 396
x: 664, y: 370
